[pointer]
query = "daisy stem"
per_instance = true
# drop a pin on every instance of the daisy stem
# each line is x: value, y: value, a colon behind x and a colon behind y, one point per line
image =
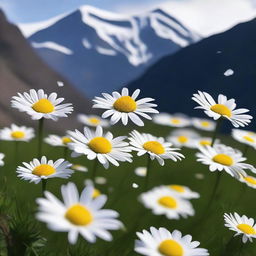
x: 217, y: 128
x: 94, y: 169
x: 43, y: 185
x: 16, y: 152
x: 215, y: 189
x: 148, y: 172
x: 245, y: 151
x: 40, y: 137
x: 65, y: 153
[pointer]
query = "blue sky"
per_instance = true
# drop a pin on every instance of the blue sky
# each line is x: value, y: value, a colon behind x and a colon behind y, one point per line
x: 17, y: 10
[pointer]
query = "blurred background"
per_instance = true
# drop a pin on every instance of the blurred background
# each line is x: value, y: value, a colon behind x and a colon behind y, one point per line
x: 167, y: 48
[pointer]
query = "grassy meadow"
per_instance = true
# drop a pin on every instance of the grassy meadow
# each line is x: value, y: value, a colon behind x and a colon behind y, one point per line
x: 207, y: 226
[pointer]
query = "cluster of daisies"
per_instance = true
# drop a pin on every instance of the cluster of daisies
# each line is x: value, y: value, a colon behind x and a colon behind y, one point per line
x: 83, y: 213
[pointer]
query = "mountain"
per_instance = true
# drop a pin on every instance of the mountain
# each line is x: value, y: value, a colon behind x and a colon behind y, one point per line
x: 201, y: 66
x: 100, y: 51
x: 21, y: 69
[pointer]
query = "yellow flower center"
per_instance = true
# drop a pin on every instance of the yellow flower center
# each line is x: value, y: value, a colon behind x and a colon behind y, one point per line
x: 79, y: 215
x: 96, y: 193
x: 221, y: 110
x: 183, y: 139
x: 223, y: 159
x: 154, y: 147
x: 205, y: 143
x: 18, y: 135
x: 175, y: 121
x: 247, y: 229
x: 248, y: 138
x: 44, y: 170
x: 100, y: 145
x: 168, y: 202
x: 170, y: 248
x: 94, y: 120
x: 250, y: 180
x: 66, y: 140
x: 177, y: 188
x: 125, y: 104
x: 205, y: 124
x: 43, y: 106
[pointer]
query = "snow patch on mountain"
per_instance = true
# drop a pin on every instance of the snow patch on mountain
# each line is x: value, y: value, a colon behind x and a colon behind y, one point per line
x: 53, y: 46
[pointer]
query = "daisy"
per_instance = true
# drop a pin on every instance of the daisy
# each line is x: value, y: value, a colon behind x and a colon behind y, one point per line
x: 78, y: 214
x: 221, y: 157
x: 204, y: 141
x: 124, y: 107
x: 79, y: 167
x: 96, y: 192
x: 183, y: 191
x: 38, y: 105
x: 203, y: 124
x: 175, y: 120
x: 161, y: 242
x: 1, y: 159
x: 241, y: 225
x: 222, y: 108
x: 163, y: 201
x: 92, y: 120
x: 156, y: 147
x: 55, y: 140
x: 37, y: 170
x: 141, y: 171
x: 183, y: 138
x: 245, y: 137
x: 17, y: 133
x: 103, y: 147
x: 100, y: 180
x: 250, y: 181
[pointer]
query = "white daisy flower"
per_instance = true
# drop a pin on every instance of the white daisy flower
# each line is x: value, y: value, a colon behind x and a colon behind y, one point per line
x: 183, y: 191
x: 156, y: 147
x: 37, y: 170
x: 95, y: 144
x: 58, y: 141
x: 161, y: 242
x: 163, y: 201
x: 222, y: 108
x: 241, y: 225
x: 1, y: 159
x: 96, y: 192
x: 141, y: 171
x: 79, y: 167
x: 124, y: 107
x: 183, y: 138
x: 175, y: 120
x: 17, y: 133
x: 38, y: 105
x: 78, y: 214
x: 92, y: 120
x: 245, y: 137
x: 221, y: 157
x: 205, y: 141
x: 250, y: 181
x: 203, y: 124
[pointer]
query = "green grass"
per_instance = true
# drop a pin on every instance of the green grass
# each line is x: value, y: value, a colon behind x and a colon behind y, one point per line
x: 208, y: 228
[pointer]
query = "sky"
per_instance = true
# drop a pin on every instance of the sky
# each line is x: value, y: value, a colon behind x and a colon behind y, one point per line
x: 17, y: 10
x: 205, y: 17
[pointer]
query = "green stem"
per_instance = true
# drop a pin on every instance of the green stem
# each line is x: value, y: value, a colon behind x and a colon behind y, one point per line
x: 16, y: 152
x: 148, y: 173
x: 65, y: 153
x: 40, y: 137
x: 215, y: 133
x: 94, y: 169
x: 44, y: 182
x: 245, y: 151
